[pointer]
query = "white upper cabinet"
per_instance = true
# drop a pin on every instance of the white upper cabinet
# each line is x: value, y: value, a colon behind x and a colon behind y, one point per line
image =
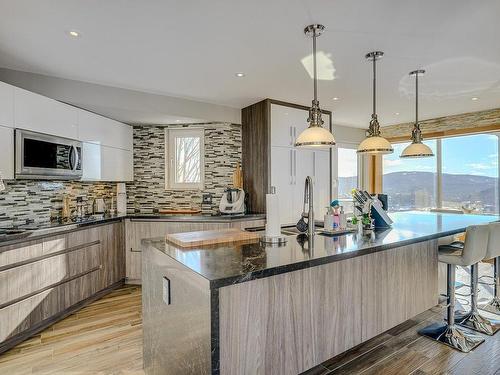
x: 97, y: 129
x: 116, y: 164
x: 7, y: 152
x: 6, y: 105
x: 41, y: 114
x: 286, y: 124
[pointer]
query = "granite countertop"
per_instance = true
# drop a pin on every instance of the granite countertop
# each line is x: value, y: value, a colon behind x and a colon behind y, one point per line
x: 227, y: 264
x: 35, y: 231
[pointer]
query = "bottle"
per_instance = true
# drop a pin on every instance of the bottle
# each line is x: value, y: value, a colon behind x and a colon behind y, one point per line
x: 328, y: 223
x: 342, y: 218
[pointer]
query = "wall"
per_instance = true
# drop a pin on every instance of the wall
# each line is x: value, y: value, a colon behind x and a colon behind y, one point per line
x: 38, y: 201
x: 147, y: 194
x: 472, y: 122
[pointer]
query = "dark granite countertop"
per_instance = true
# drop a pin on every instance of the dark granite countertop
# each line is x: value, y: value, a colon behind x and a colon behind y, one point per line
x: 36, y: 231
x: 227, y: 264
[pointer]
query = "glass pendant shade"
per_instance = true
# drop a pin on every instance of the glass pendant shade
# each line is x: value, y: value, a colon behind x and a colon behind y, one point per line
x: 315, y: 135
x: 416, y: 149
x: 375, y: 144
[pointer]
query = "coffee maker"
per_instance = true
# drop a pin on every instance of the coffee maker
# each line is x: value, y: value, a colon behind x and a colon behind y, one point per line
x: 232, y: 202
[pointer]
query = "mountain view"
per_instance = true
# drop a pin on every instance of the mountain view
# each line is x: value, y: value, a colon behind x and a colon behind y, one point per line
x: 417, y: 190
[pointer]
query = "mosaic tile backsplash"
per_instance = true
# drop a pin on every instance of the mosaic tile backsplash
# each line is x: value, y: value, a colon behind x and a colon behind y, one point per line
x: 30, y: 201
x: 147, y: 194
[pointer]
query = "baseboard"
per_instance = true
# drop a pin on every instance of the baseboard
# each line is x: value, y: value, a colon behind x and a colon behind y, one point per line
x: 40, y: 326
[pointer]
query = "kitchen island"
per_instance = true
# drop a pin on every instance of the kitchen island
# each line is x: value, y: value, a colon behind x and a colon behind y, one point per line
x: 248, y: 309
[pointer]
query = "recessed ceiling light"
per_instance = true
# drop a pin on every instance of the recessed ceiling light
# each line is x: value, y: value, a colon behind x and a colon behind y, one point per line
x: 240, y: 75
x: 177, y: 120
x: 474, y: 98
x: 396, y: 113
x: 74, y: 33
x: 335, y: 98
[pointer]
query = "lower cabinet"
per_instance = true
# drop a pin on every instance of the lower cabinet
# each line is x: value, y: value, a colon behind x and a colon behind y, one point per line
x: 42, y: 280
x: 137, y: 229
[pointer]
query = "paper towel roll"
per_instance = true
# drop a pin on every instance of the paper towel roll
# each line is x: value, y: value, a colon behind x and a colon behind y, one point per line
x: 273, y: 227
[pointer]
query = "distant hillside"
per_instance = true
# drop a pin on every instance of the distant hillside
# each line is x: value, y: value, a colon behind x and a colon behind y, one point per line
x: 410, y: 189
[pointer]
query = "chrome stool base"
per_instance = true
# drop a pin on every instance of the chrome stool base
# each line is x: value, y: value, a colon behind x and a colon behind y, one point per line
x: 457, y: 337
x: 492, y: 307
x: 476, y: 322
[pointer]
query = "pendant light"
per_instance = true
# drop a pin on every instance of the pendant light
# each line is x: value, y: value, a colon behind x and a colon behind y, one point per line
x: 416, y: 149
x: 315, y: 135
x: 374, y: 143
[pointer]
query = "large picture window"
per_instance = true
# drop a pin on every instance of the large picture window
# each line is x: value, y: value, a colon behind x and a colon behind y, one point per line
x: 184, y: 158
x: 463, y: 176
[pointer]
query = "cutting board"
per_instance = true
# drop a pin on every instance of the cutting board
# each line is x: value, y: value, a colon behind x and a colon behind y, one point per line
x: 212, y: 237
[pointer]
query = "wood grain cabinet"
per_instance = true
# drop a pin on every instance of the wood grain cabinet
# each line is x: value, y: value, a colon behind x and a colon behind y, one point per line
x: 269, y: 131
x: 42, y: 281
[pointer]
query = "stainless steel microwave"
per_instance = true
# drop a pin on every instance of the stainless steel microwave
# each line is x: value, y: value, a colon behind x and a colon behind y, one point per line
x: 43, y: 156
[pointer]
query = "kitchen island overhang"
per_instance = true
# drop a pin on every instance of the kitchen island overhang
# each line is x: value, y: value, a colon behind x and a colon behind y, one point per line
x: 288, y: 309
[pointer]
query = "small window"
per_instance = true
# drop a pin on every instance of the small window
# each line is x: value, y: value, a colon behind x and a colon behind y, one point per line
x: 184, y: 158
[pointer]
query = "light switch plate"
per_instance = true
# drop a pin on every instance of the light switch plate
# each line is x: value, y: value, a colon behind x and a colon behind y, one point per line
x: 166, y: 290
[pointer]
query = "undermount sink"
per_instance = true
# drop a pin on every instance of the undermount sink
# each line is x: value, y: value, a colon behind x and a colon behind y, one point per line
x: 292, y: 230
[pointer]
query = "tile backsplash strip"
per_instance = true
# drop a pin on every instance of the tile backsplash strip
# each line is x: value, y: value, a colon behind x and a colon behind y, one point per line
x: 39, y: 201
x: 147, y: 194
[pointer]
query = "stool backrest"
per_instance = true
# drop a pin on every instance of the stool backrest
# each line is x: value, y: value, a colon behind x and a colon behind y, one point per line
x: 476, y: 244
x: 493, y: 250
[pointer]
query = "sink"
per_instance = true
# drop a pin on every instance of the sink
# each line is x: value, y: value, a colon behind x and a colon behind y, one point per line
x: 292, y: 230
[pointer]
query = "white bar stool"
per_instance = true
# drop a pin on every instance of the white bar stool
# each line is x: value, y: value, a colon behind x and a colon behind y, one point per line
x: 493, y: 252
x: 459, y: 254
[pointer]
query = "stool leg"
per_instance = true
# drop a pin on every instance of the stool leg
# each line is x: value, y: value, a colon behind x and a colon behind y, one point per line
x: 494, y: 305
x: 473, y: 319
x: 448, y: 333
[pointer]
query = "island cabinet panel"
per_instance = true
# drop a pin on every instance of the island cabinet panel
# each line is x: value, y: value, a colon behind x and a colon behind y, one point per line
x: 43, y: 280
x: 176, y: 317
x: 398, y: 284
x: 288, y: 323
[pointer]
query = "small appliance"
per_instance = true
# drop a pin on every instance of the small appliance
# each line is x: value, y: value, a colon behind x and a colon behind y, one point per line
x: 99, y: 206
x: 43, y: 156
x: 232, y: 202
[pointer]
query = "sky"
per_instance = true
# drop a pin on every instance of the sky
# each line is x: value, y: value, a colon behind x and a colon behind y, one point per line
x: 473, y: 154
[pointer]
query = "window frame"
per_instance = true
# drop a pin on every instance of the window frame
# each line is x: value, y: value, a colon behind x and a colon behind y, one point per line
x: 170, y: 136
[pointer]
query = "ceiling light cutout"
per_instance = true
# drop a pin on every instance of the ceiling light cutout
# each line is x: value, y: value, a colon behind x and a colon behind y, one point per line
x: 74, y: 33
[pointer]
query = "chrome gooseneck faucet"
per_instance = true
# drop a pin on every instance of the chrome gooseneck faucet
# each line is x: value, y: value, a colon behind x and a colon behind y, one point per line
x: 309, y: 200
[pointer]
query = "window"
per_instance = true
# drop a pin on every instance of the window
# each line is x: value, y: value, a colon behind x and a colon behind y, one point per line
x: 463, y: 176
x: 347, y: 173
x: 470, y: 173
x: 410, y: 183
x: 184, y: 158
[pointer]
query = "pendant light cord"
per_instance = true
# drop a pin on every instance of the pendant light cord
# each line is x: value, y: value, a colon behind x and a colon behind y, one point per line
x: 416, y: 101
x: 374, y: 84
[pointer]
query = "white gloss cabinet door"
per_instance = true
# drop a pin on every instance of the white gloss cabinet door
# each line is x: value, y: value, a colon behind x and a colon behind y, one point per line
x: 97, y: 129
x: 6, y: 105
x: 7, y: 152
x: 287, y: 123
x: 91, y: 161
x: 116, y: 164
x: 321, y: 182
x: 44, y: 115
x: 282, y: 179
x: 304, y: 167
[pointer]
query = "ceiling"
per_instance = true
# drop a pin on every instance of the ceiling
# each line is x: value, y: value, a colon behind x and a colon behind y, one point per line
x: 192, y: 49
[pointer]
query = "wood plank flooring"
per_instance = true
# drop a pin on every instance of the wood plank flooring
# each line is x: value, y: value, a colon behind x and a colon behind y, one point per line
x: 105, y: 338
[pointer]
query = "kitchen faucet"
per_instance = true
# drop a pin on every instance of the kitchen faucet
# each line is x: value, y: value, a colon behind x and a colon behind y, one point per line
x: 309, y: 200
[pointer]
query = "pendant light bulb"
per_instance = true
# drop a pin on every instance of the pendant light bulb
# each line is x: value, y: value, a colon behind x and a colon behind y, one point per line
x: 416, y: 149
x: 374, y: 144
x: 315, y: 135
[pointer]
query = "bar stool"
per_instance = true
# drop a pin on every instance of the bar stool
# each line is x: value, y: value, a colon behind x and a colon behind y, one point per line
x: 459, y: 254
x: 493, y: 252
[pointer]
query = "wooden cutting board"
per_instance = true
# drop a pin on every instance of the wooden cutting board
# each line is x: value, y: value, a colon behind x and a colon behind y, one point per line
x: 211, y: 237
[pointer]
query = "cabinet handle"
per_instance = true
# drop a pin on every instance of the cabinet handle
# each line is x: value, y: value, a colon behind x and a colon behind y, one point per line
x: 295, y: 167
x: 291, y: 135
x: 291, y: 167
x: 166, y: 291
x: 314, y: 164
x: 135, y: 251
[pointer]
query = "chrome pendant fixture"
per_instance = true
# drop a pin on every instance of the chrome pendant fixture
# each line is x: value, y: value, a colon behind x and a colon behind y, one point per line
x: 315, y: 135
x: 374, y: 143
x: 416, y: 149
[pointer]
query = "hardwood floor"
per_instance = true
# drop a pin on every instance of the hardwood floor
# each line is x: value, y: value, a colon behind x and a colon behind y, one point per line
x: 106, y: 338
